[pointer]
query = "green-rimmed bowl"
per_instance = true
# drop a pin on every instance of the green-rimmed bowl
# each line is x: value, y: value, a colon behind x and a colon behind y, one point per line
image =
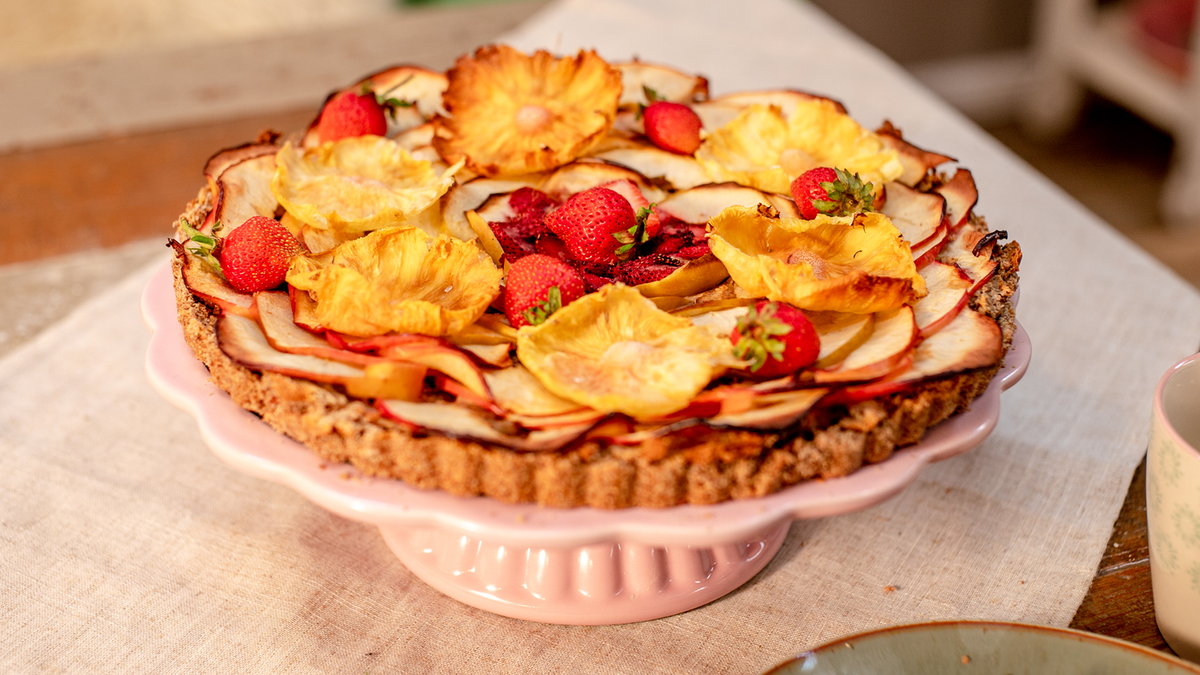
x: 982, y: 648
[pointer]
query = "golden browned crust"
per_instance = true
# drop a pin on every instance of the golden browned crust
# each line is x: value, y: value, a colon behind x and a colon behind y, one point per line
x: 695, y: 465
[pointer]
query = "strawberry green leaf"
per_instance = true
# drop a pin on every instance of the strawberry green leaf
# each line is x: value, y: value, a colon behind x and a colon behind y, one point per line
x: 538, y: 314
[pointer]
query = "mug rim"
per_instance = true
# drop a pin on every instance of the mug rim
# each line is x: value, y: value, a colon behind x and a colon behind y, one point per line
x: 1161, y: 415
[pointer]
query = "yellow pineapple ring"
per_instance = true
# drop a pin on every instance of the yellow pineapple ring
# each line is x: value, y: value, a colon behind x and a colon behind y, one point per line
x: 853, y: 264
x: 359, y: 184
x: 614, y: 351
x: 398, y: 279
x: 514, y: 114
x: 764, y: 149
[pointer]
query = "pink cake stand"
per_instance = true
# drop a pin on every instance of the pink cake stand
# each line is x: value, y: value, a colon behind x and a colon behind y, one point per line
x: 569, y: 566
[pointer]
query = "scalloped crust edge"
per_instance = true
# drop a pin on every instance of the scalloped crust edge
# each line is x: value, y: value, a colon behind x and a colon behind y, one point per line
x: 676, y: 469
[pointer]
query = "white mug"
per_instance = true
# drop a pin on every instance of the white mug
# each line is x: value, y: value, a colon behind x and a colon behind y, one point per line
x: 1173, y: 507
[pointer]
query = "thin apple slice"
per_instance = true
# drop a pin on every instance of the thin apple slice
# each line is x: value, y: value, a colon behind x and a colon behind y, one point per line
x: 682, y: 172
x: 971, y: 340
x: 464, y: 422
x: 452, y: 362
x: 275, y: 317
x: 917, y: 215
x: 699, y: 204
x: 244, y: 341
x: 412, y: 84
x: 840, y: 334
x: 221, y: 162
x: 304, y: 311
x: 668, y: 84
x: 579, y: 176
x: 517, y: 391
x: 720, y: 321
x: 892, y: 340
x: 392, y: 380
x: 471, y: 195
x: 586, y: 416
x: 960, y: 251
x: 695, y: 276
x: 784, y: 99
x: 244, y: 191
x: 917, y: 163
x: 418, y: 137
x: 204, y: 283
x: 949, y: 290
x: 476, y: 334
x: 691, y: 308
x: 715, y: 115
x: 772, y: 411
x: 496, y: 356
x: 961, y: 196
x: 485, y: 237
x: 928, y: 252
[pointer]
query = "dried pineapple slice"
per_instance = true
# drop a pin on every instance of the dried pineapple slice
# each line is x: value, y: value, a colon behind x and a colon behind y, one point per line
x: 614, y: 351
x: 360, y: 184
x: 764, y: 149
x: 398, y: 279
x: 853, y: 264
x: 513, y: 114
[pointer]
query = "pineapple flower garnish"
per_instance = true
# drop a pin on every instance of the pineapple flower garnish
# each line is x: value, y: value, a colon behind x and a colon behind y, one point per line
x: 764, y: 150
x: 614, y: 351
x: 856, y: 264
x: 398, y: 279
x: 510, y: 113
x: 359, y: 184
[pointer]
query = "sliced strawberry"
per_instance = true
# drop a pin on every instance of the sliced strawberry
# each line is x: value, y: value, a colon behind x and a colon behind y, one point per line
x: 255, y: 256
x: 646, y: 269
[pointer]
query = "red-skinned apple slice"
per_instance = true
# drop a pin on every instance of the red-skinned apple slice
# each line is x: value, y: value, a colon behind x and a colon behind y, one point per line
x: 840, y: 334
x: 917, y: 215
x: 304, y: 311
x: 961, y: 196
x: 772, y: 411
x: 471, y: 195
x: 700, y: 204
x: 275, y: 317
x: 971, y: 340
x: 464, y: 422
x: 517, y: 391
x: 916, y: 162
x: 928, y: 252
x: 496, y: 356
x: 218, y: 164
x: 894, y: 336
x: 681, y: 171
x: 576, y: 177
x: 452, y: 362
x: 959, y: 251
x: 243, y: 340
x: 245, y: 192
x: 949, y: 289
x: 204, y: 283
x: 668, y: 84
x: 695, y: 276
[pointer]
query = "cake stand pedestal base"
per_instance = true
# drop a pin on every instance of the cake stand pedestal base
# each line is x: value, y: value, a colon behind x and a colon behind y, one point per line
x: 598, y: 584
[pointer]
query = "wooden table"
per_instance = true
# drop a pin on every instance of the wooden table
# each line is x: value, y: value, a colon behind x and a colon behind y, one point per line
x: 104, y: 193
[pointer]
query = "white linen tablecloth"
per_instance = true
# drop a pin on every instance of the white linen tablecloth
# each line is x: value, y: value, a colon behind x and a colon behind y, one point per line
x: 127, y: 547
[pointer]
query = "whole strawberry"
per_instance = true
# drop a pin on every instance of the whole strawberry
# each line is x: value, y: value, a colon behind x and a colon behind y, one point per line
x: 255, y: 256
x: 597, y: 225
x: 672, y: 127
x: 776, y: 338
x: 538, y: 286
x: 833, y: 192
x: 350, y: 113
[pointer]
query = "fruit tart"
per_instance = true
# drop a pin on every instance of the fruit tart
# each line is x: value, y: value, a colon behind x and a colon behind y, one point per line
x: 579, y: 283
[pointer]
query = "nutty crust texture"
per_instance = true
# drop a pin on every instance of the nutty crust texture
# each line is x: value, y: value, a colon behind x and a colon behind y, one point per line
x: 693, y: 465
